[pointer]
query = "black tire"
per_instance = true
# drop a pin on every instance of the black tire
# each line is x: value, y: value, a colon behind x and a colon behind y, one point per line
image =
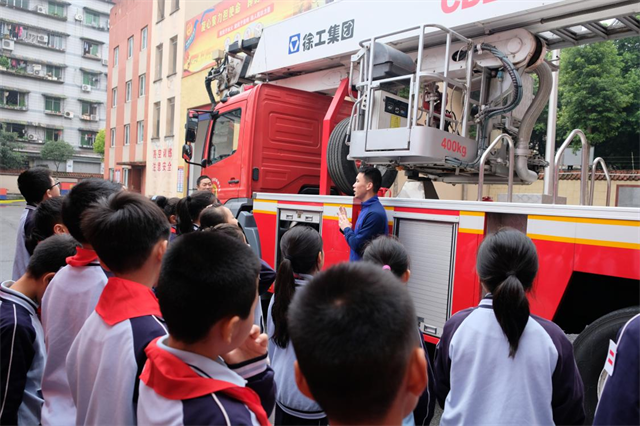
x: 590, y: 350
x: 343, y: 171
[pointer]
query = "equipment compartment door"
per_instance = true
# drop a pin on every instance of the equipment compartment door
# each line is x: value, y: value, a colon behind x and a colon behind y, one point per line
x: 431, y: 247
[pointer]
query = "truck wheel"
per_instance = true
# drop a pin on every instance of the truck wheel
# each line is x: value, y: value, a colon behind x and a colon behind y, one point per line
x: 343, y: 171
x: 590, y: 350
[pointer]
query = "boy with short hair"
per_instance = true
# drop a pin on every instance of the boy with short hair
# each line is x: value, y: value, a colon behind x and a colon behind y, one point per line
x: 129, y: 233
x: 69, y: 300
x: 212, y: 368
x: 35, y: 185
x: 22, y: 352
x: 353, y: 331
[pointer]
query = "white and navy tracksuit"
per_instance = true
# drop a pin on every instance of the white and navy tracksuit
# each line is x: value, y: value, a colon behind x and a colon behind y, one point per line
x: 21, y: 259
x: 619, y: 403
x: 68, y: 301
x: 107, y: 356
x: 289, y: 398
x: 184, y: 388
x: 22, y: 358
x: 478, y: 383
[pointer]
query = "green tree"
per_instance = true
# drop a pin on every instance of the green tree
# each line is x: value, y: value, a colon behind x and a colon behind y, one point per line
x: 593, y: 92
x: 10, y: 157
x: 98, y: 145
x: 57, y: 151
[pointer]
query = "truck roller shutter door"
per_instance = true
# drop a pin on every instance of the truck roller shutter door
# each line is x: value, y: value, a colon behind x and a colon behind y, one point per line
x: 430, y: 245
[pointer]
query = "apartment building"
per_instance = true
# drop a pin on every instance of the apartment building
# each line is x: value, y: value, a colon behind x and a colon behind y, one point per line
x: 130, y: 73
x: 53, y: 76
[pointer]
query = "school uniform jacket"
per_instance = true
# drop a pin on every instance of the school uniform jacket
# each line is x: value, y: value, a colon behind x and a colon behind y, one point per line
x: 184, y: 388
x: 21, y: 259
x: 68, y: 301
x: 107, y: 356
x: 478, y: 383
x: 21, y: 358
x: 619, y: 403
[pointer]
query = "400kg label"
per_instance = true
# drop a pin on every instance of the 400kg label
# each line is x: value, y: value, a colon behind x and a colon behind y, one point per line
x: 453, y: 146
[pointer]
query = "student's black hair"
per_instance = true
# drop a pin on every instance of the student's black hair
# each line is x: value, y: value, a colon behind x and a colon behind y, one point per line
x: 212, y: 216
x: 299, y: 247
x: 189, y: 208
x: 34, y: 183
x: 123, y: 229
x: 160, y: 200
x: 353, y: 329
x: 373, y: 175
x: 228, y: 229
x: 170, y: 207
x: 205, y: 277
x: 201, y: 178
x: 80, y: 198
x: 507, y: 264
x: 48, y: 214
x: 51, y: 255
x: 387, y: 250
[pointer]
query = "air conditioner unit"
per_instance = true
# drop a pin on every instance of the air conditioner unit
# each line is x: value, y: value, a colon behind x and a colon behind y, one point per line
x: 79, y: 17
x: 86, y: 88
x: 7, y: 44
x: 43, y: 38
x: 37, y: 67
x: 36, y: 72
x: 41, y: 9
x: 105, y: 62
x: 31, y: 136
x: 94, y: 117
x: 68, y: 114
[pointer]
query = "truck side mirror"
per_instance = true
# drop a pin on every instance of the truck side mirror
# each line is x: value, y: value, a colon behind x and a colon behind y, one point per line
x: 191, y: 127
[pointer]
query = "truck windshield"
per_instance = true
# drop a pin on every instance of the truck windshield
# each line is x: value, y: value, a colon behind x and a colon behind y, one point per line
x: 225, y: 135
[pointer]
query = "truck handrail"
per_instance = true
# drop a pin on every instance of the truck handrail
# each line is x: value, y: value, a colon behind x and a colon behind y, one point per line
x: 584, y: 168
x: 600, y: 161
x: 483, y: 159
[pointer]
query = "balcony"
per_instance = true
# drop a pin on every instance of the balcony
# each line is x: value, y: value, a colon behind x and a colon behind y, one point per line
x: 34, y: 36
x: 26, y: 67
x: 52, y: 9
x: 11, y: 98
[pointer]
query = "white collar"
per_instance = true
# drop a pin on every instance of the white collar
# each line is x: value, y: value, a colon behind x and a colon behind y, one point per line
x: 16, y: 297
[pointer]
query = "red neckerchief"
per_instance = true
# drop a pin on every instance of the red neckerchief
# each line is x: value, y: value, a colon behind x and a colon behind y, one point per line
x: 83, y: 257
x: 171, y: 378
x: 123, y: 299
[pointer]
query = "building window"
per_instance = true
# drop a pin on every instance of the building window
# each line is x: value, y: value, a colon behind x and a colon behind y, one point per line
x: 22, y: 4
x: 55, y: 42
x: 159, y: 62
x: 13, y: 99
x: 56, y: 9
x: 142, y: 83
x: 140, y: 131
x: 113, y: 138
x: 19, y: 129
x: 111, y: 175
x: 127, y: 92
x: 143, y: 38
x: 173, y: 55
x: 130, y: 47
x: 114, y: 96
x: 89, y: 111
x: 125, y: 177
x: 52, y: 105
x: 91, y: 49
x: 126, y: 134
x: 175, y: 5
x: 53, y: 72
x: 156, y: 120
x: 160, y: 10
x: 116, y: 51
x: 91, y: 79
x: 87, y: 139
x: 171, y: 106
x: 52, y: 135
x: 91, y: 18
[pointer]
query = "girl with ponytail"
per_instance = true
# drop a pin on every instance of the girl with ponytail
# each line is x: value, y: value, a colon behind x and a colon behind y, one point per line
x: 302, y: 257
x: 189, y: 208
x: 498, y: 364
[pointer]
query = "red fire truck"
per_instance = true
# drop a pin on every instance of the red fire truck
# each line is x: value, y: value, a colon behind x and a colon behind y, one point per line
x: 296, y: 110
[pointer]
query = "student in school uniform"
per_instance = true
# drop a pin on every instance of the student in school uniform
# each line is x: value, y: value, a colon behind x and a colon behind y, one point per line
x: 69, y: 300
x: 354, y: 334
x: 389, y: 253
x: 498, y: 364
x: 302, y: 258
x: 189, y: 208
x: 212, y: 368
x: 47, y: 220
x: 35, y: 185
x: 129, y: 233
x: 22, y: 352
